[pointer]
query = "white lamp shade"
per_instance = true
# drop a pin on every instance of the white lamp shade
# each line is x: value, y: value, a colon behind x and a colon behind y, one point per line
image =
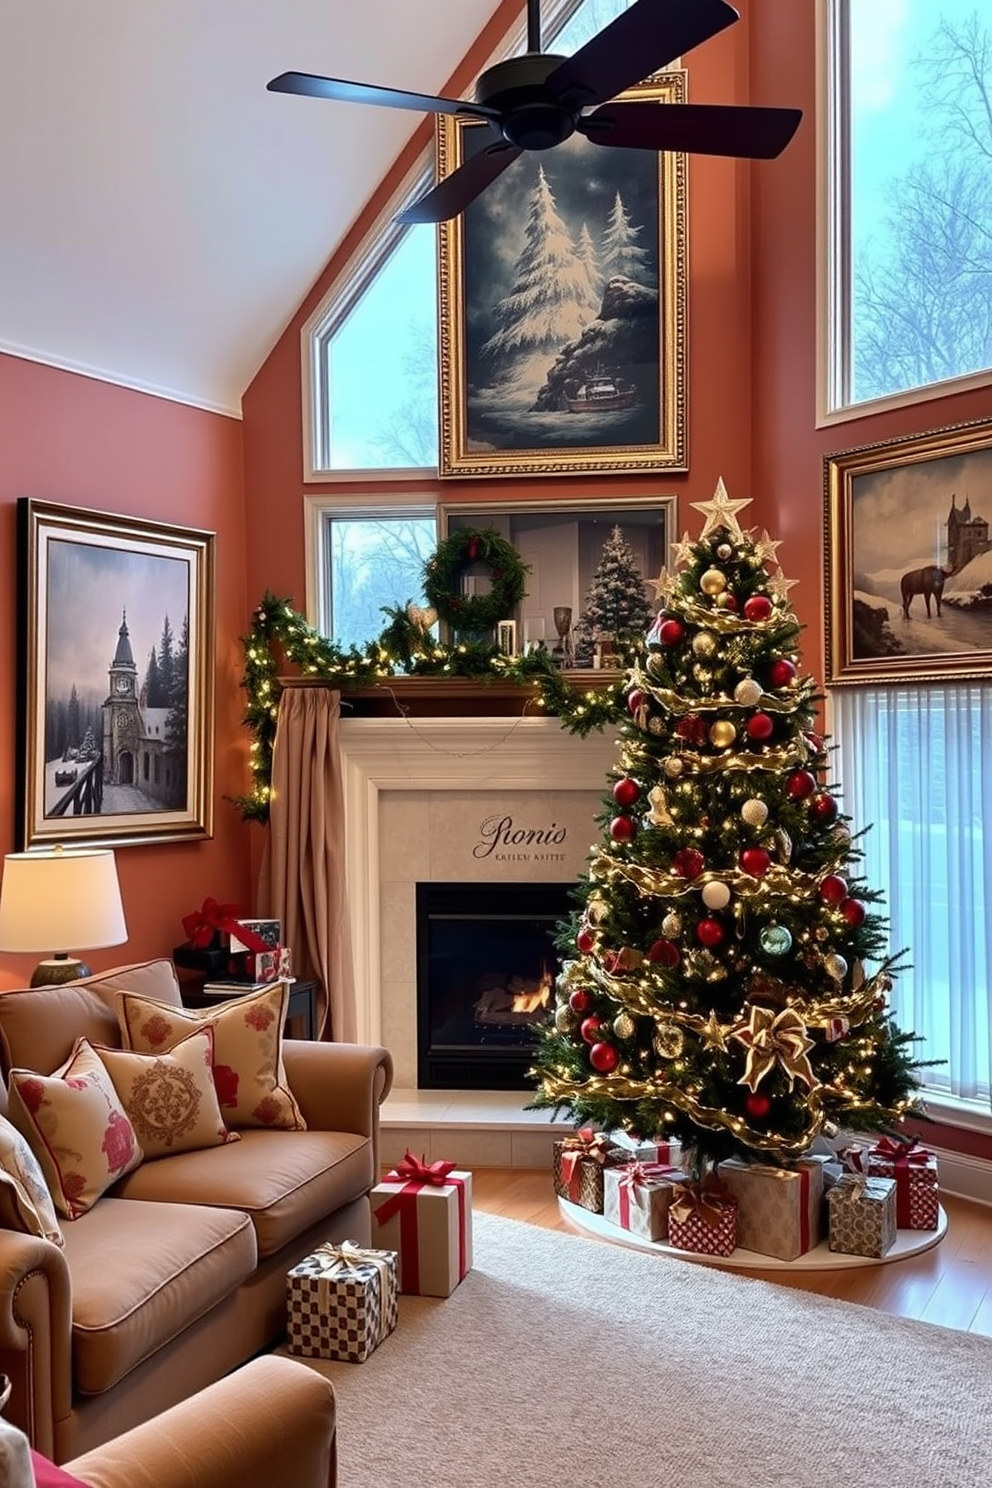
x: 60, y: 900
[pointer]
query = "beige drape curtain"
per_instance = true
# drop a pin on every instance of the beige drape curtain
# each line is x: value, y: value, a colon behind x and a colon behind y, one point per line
x: 302, y: 881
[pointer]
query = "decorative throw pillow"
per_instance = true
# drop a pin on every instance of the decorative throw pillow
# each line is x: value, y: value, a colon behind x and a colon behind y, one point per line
x: 77, y: 1128
x: 248, y: 1069
x: 25, y: 1203
x: 170, y: 1098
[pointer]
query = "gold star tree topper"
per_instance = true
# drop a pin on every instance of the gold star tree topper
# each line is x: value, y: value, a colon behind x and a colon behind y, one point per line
x: 720, y: 512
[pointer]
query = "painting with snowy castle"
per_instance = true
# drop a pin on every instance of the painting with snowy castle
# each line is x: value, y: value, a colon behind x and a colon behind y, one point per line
x: 909, y: 557
x: 562, y: 308
x: 116, y: 726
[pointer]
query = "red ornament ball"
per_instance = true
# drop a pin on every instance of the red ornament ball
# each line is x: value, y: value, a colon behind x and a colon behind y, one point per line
x: 635, y: 700
x: 589, y: 1028
x: 799, y: 784
x: 823, y: 808
x: 833, y: 889
x: 781, y: 672
x: 692, y: 729
x: 688, y: 862
x: 663, y: 953
x: 758, y: 607
x: 585, y: 940
x: 755, y: 861
x: 710, y: 933
x: 626, y: 791
x: 759, y: 727
x: 623, y: 829
x: 758, y: 1106
x: 671, y: 632
x: 815, y: 742
x: 853, y: 911
x: 604, y: 1058
x: 580, y: 1001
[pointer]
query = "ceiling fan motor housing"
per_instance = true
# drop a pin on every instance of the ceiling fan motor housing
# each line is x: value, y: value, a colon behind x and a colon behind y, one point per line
x: 531, y: 116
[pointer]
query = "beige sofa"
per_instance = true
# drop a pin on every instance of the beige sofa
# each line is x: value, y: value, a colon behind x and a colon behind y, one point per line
x: 178, y: 1273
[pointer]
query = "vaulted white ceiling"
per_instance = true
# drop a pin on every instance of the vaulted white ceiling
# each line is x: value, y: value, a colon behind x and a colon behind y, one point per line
x: 161, y: 214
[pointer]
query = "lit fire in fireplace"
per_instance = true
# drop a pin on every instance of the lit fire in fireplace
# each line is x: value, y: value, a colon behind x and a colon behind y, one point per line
x: 516, y: 1003
x: 532, y: 1002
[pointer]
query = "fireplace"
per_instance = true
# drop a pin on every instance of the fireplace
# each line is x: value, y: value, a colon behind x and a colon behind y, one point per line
x: 486, y: 967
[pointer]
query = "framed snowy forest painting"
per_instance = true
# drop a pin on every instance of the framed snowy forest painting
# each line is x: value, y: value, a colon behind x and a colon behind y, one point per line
x: 563, y: 308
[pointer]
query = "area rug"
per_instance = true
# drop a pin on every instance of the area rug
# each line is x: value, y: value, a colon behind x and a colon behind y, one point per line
x: 562, y: 1362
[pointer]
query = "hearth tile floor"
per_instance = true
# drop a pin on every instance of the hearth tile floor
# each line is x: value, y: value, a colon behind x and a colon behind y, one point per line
x: 474, y: 1128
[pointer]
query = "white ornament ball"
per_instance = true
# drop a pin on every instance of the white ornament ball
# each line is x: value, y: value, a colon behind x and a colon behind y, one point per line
x: 716, y: 895
x: 754, y: 812
x: 724, y: 551
x: 835, y: 966
x: 747, y: 692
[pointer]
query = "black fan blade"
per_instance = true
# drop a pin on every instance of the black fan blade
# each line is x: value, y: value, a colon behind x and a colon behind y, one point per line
x: 459, y: 190
x: 644, y: 39
x: 699, y: 128
x: 309, y: 86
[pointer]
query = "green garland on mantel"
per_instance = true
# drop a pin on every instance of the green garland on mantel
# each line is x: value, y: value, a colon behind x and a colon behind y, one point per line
x: 279, y: 635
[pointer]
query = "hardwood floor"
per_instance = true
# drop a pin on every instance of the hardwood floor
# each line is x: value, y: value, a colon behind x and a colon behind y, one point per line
x: 950, y: 1284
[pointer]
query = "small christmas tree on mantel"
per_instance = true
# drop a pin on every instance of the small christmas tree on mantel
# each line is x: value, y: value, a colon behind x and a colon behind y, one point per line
x: 716, y: 987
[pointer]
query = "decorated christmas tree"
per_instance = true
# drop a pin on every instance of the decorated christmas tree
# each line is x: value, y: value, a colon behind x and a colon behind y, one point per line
x: 716, y: 986
x: 616, y: 604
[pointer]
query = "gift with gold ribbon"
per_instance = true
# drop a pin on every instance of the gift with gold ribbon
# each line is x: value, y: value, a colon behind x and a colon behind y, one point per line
x: 914, y: 1169
x: 637, y: 1195
x: 578, y: 1162
x: 862, y: 1215
x: 423, y: 1211
x: 780, y: 1210
x: 703, y: 1217
x: 341, y: 1302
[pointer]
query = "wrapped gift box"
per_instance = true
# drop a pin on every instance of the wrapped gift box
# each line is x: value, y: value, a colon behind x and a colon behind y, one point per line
x: 268, y: 930
x: 210, y: 959
x: 636, y: 1196
x: 780, y: 1210
x: 424, y: 1212
x: 703, y: 1217
x: 656, y: 1151
x: 262, y: 966
x: 862, y: 1215
x: 577, y: 1166
x: 915, y: 1172
x: 341, y: 1302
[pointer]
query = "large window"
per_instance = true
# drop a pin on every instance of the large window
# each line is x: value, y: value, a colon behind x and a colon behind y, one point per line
x: 910, y: 257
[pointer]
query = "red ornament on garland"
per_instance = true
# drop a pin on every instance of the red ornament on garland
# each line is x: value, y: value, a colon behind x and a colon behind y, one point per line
x: 823, y: 808
x: 623, y: 829
x: 781, y: 672
x: 671, y: 632
x: 589, y: 1028
x: 710, y: 933
x: 688, y: 862
x: 604, y: 1058
x: 853, y: 911
x: 580, y: 1001
x: 758, y: 607
x: 758, y: 1106
x: 626, y: 791
x: 635, y: 701
x: 800, y: 784
x: 585, y: 940
x: 760, y: 727
x: 833, y: 889
x: 755, y: 861
x: 664, y: 953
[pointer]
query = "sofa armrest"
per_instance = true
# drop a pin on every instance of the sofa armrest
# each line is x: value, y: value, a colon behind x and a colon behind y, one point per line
x: 270, y: 1422
x: 340, y: 1087
x: 35, y: 1334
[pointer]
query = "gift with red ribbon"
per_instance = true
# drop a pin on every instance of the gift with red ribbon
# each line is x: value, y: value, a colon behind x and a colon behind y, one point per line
x: 914, y: 1169
x: 423, y: 1211
x: 653, y: 1150
x: 577, y: 1165
x: 636, y: 1196
x: 703, y: 1217
x: 780, y: 1210
x: 214, y: 919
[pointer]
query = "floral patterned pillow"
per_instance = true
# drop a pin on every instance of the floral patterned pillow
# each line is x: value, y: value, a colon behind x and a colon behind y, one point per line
x: 25, y: 1203
x: 170, y: 1098
x: 77, y: 1127
x: 248, y: 1068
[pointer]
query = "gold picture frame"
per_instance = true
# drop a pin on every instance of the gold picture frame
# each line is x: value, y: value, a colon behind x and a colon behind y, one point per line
x: 116, y: 680
x: 908, y: 557
x: 507, y: 384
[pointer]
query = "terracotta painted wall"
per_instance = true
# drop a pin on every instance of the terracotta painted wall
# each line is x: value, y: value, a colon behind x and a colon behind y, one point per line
x: 80, y: 442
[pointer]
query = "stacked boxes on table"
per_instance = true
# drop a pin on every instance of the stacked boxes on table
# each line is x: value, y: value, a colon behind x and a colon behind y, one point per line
x: 577, y: 1164
x: 915, y: 1172
x: 862, y: 1215
x: 780, y: 1210
x: 423, y: 1211
x: 341, y: 1302
x: 637, y: 1196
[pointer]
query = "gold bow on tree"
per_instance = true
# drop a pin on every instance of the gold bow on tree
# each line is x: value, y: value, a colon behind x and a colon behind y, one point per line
x: 771, y: 1038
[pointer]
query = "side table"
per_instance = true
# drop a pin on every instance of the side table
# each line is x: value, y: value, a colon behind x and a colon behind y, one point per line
x: 301, y: 1009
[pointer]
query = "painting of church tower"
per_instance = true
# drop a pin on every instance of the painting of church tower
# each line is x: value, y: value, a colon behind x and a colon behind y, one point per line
x: 967, y: 536
x: 143, y: 759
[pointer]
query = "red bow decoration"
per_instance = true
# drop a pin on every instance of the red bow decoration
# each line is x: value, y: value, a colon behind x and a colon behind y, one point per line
x: 890, y: 1149
x: 203, y: 924
x: 419, y: 1170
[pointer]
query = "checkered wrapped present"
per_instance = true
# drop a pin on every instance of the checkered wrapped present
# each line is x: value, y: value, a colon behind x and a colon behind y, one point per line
x: 915, y: 1172
x: 342, y: 1302
x: 637, y: 1196
x: 577, y: 1165
x: 779, y: 1209
x: 862, y: 1215
x: 703, y: 1217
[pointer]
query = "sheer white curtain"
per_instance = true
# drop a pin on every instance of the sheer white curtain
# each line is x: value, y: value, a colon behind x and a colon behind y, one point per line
x: 913, y: 767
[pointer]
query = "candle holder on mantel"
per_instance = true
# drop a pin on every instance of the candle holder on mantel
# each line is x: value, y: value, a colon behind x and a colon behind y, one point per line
x: 564, y: 652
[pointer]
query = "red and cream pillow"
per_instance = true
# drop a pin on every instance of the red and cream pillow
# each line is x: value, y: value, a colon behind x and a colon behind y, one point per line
x: 170, y: 1098
x: 248, y: 1068
x: 77, y: 1128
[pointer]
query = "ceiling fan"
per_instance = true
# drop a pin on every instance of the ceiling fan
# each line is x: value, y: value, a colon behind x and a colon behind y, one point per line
x: 538, y: 100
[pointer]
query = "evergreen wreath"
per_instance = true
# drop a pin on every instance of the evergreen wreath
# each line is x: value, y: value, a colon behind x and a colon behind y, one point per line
x: 443, y: 572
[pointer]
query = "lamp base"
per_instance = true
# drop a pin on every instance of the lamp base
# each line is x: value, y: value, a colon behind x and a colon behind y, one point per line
x: 59, y: 970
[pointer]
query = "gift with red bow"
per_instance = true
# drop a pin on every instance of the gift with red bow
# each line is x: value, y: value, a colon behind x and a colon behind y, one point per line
x: 423, y: 1211
x: 341, y: 1302
x: 577, y: 1164
x: 637, y: 1195
x: 703, y: 1217
x: 779, y: 1209
x: 862, y: 1215
x: 914, y: 1169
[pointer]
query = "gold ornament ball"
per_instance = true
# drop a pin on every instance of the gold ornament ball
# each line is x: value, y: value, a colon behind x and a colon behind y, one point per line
x: 668, y: 1041
x: 704, y: 644
x: 836, y: 966
x: 673, y: 767
x: 566, y: 1021
x: 747, y: 692
x: 723, y: 600
x: 656, y: 665
x: 656, y: 725
x: 722, y: 733
x: 671, y: 926
x: 713, y: 582
x: 754, y: 812
x: 624, y: 1026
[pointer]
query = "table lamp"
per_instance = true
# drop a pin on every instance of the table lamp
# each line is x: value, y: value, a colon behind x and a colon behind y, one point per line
x: 60, y: 897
